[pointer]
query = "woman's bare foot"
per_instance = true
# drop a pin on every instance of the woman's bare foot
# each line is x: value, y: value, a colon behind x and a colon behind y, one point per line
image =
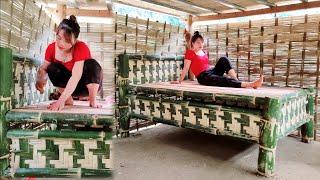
x: 95, y: 105
x: 69, y: 101
x: 257, y: 83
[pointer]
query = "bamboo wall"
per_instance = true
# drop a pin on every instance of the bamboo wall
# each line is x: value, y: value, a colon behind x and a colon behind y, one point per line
x: 140, y: 36
x: 286, y: 50
x: 100, y: 39
x: 25, y: 28
x: 130, y: 35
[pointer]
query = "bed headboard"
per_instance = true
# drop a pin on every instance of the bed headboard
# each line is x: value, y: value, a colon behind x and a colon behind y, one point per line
x: 140, y: 69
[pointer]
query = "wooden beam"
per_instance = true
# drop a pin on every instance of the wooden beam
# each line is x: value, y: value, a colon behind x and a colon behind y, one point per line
x: 275, y: 9
x: 198, y: 5
x: 171, y: 7
x: 265, y: 2
x: 231, y: 5
x: 151, y: 7
x: 88, y: 12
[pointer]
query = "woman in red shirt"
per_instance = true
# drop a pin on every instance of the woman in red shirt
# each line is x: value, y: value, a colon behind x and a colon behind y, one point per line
x: 198, y: 61
x: 70, y: 67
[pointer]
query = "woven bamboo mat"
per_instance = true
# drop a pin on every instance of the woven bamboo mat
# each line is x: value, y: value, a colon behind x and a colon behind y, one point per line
x: 193, y: 86
x: 79, y: 107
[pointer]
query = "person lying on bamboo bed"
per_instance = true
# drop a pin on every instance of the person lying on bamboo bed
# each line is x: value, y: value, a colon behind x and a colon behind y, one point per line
x: 197, y: 60
x: 70, y: 67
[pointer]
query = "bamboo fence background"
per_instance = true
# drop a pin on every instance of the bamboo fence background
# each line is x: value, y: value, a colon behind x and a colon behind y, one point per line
x: 25, y: 28
x: 100, y: 39
x: 286, y: 50
x: 133, y: 35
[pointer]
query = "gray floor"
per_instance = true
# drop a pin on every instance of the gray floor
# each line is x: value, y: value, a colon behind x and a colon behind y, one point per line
x: 167, y: 152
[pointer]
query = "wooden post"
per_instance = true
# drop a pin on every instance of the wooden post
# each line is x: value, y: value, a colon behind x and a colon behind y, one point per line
x: 61, y: 11
x: 136, y: 45
x: 189, y: 23
x: 177, y: 41
x: 289, y: 58
x: 317, y: 85
x: 5, y: 103
x: 217, y: 43
x: 238, y: 48
x: 147, y: 34
x: 303, y: 50
x: 227, y: 39
x: 274, y: 59
x: 208, y: 45
x: 125, y: 35
x: 156, y: 38
x: 261, y: 51
x: 249, y: 51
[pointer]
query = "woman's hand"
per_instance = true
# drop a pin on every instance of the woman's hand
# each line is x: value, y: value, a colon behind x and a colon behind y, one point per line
x: 42, y: 77
x: 56, y: 106
x: 175, y: 82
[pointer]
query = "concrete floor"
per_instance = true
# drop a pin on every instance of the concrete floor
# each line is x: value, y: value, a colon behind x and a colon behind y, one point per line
x: 167, y: 152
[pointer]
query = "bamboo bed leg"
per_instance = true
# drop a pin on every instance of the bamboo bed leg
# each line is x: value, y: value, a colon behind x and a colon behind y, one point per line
x: 268, y: 139
x: 5, y: 104
x: 124, y: 120
x: 307, y: 128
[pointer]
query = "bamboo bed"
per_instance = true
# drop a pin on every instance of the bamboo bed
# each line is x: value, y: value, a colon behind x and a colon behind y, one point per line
x: 264, y: 115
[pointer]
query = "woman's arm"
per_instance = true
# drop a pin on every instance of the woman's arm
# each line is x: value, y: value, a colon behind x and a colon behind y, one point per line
x: 185, y: 70
x: 73, y: 81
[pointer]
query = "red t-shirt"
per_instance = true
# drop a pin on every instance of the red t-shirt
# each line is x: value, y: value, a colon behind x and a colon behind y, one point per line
x: 198, y: 63
x: 81, y: 52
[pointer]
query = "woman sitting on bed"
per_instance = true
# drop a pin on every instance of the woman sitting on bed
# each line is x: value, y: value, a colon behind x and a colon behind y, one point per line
x: 198, y: 61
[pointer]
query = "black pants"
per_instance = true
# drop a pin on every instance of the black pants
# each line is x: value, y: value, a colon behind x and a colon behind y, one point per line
x: 214, y: 76
x: 60, y: 75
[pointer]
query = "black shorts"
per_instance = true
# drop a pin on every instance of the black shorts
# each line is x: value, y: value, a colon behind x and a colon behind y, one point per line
x: 59, y: 75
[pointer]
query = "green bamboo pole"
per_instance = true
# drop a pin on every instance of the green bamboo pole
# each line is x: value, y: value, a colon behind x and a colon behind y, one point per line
x: 21, y: 134
x: 307, y: 129
x: 61, y: 172
x: 17, y: 115
x: 268, y: 138
x: 124, y: 118
x: 5, y: 103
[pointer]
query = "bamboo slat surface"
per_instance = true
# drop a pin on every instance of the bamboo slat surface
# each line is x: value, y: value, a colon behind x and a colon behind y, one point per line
x: 79, y: 107
x: 193, y: 86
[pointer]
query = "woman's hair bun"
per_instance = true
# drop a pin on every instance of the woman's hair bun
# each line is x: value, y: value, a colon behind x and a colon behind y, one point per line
x: 73, y: 18
x: 196, y: 33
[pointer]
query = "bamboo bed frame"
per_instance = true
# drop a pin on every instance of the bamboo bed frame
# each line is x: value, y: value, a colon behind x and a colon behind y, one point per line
x: 74, y: 142
x: 263, y: 116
